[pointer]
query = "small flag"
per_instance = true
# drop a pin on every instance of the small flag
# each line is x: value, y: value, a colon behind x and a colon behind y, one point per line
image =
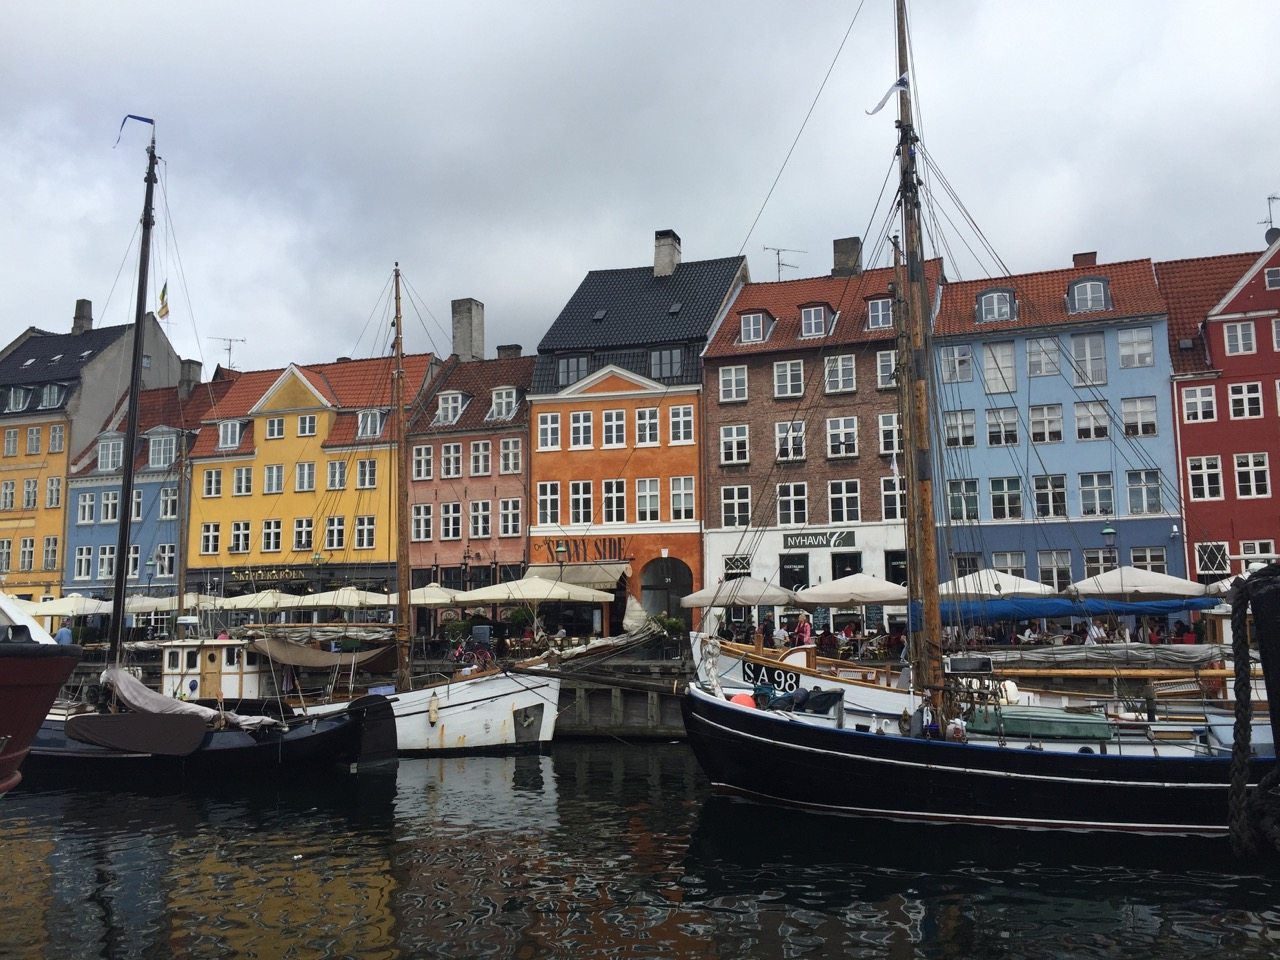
x: 900, y: 84
x: 896, y: 474
x: 164, y: 301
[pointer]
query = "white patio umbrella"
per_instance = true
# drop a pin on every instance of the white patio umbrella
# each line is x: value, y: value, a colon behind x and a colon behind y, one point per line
x: 432, y: 595
x: 1136, y: 584
x: 262, y: 600
x: 72, y: 605
x: 141, y: 603
x: 346, y: 598
x: 992, y: 585
x: 533, y: 590
x: 26, y: 606
x: 742, y: 592
x: 855, y: 589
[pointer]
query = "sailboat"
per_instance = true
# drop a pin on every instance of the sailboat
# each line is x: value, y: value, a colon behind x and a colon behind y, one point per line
x: 803, y: 753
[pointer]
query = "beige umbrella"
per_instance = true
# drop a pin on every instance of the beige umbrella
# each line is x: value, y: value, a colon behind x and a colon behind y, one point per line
x: 262, y: 600
x: 141, y: 603
x: 533, y: 590
x: 741, y: 592
x: 857, y: 588
x: 992, y: 585
x: 1135, y: 584
x: 432, y: 595
x: 346, y: 598
x: 72, y: 605
x: 26, y: 606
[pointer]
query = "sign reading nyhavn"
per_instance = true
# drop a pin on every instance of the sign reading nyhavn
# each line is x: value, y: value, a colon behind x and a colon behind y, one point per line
x: 817, y: 539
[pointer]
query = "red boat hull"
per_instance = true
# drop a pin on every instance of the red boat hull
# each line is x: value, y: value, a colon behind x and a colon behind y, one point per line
x: 31, y: 675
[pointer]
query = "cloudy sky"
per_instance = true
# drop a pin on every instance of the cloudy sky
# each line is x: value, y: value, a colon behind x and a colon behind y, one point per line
x: 502, y: 150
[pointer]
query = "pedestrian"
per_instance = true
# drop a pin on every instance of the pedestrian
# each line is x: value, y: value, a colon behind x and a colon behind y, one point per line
x: 804, y: 630
x: 63, y: 636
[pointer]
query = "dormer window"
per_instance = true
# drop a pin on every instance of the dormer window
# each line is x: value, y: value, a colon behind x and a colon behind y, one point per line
x: 18, y: 397
x: 752, y: 327
x: 570, y: 370
x: 995, y: 305
x: 1088, y: 296
x: 880, y: 314
x: 228, y: 434
x: 665, y: 363
x: 504, y: 404
x: 448, y: 409
x: 370, y: 423
x: 50, y: 395
x: 813, y: 322
x: 162, y: 450
x: 110, y: 454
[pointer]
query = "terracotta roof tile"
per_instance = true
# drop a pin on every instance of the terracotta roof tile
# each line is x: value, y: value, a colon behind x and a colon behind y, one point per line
x: 1192, y: 288
x: 478, y: 379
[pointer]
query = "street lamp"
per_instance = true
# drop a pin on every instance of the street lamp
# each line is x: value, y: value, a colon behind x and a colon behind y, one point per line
x: 562, y: 554
x: 1109, y: 541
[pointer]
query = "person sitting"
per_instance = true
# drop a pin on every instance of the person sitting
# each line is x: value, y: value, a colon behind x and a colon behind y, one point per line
x: 780, y: 637
x: 1096, y: 634
x: 828, y: 646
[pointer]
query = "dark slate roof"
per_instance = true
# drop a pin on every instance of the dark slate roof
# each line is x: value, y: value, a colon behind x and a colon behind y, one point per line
x: 55, y: 357
x: 638, y: 312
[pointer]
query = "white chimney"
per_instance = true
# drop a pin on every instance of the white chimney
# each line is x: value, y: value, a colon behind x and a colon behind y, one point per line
x: 666, y: 252
x: 468, y: 329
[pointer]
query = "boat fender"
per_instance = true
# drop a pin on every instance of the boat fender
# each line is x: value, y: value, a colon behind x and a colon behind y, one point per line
x: 743, y: 700
x: 956, y: 731
x: 433, y: 710
x: 1008, y: 691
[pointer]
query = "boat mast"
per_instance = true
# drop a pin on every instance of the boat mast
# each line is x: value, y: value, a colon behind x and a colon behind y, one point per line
x: 404, y: 678
x: 926, y: 643
x: 131, y: 416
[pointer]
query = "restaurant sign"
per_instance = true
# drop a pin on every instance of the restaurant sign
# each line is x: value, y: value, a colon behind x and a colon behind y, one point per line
x: 818, y: 540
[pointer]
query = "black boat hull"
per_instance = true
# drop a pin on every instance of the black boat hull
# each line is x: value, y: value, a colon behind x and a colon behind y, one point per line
x: 766, y: 756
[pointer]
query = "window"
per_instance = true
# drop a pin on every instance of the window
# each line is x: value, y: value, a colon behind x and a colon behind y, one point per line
x: 503, y: 406
x: 307, y: 425
x: 106, y: 559
x: 50, y: 395
x: 886, y: 369
x: 1211, y: 560
x: 110, y: 506
x: 1253, y: 476
x: 166, y: 560
x: 303, y: 528
x: 1139, y: 415
x: 813, y: 322
x: 240, y: 530
x: 1002, y: 427
x: 335, y: 533
x: 733, y: 384
x: 647, y: 427
x: 1006, y: 498
x: 270, y: 536
x: 1272, y: 278
x: 366, y: 532
x: 893, y: 498
x: 840, y: 374
x: 168, y: 503
x: 84, y: 559
x: 1046, y: 423
x: 110, y: 454
x: 1011, y: 562
x: 480, y: 458
x: 734, y: 444
x: 1087, y: 296
x: 213, y: 483
x: 1149, y: 558
x: 509, y: 521
x: 614, y: 428
x: 890, y: 433
x: 1144, y: 491
x: 959, y: 427
x: 136, y: 514
x: 1100, y: 561
x: 842, y: 437
x: 1252, y: 548
x: 549, y: 502
x: 1092, y: 420
x: 162, y: 451
x: 752, y: 329
x: 682, y: 498
x: 57, y: 433
x: 49, y: 558
x: 448, y: 409
x: 788, y: 378
x: 11, y: 442
x: 548, y: 431
x: 735, y: 506
x: 580, y: 430
x: 648, y: 497
x: 998, y: 374
x: 53, y: 492
x: 956, y: 363
x: 30, y: 493
x: 1198, y: 404
x: 793, y: 504
x: 1097, y: 495
x: 1245, y: 400
x: 1204, y: 476
x: 615, y: 501
x: 664, y: 363
x: 996, y: 305
x: 6, y: 494
x: 1089, y: 359
x: 681, y: 424
x: 962, y: 499
x: 336, y: 478
x: 210, y: 537
x: 509, y: 457
x: 1051, y: 495
x: 1136, y: 348
x: 33, y: 439
x: 842, y: 501
x: 1042, y: 357
x: 304, y: 476
x: 18, y: 398
x: 570, y: 370
x: 420, y: 522
x: 450, y: 461
x: 880, y: 314
x: 367, y: 472
x: 228, y: 434
x: 275, y: 428
x: 580, y: 501
x: 1239, y: 338
x: 242, y: 482
x: 789, y: 438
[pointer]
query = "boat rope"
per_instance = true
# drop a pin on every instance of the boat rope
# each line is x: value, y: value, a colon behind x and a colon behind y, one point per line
x: 1255, y: 815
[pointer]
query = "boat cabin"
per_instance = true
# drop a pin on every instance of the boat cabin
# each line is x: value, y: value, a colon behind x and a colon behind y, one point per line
x: 208, y: 668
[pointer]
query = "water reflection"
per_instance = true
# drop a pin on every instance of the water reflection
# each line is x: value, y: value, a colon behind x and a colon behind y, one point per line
x: 595, y: 850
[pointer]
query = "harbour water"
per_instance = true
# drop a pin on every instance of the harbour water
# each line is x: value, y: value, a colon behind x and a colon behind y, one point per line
x: 592, y: 850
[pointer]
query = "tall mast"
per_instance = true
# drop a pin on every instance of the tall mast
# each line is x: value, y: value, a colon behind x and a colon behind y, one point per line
x: 926, y: 644
x: 131, y: 416
x: 404, y: 678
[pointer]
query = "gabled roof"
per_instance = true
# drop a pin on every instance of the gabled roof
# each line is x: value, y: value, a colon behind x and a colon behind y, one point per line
x: 1042, y: 300
x: 478, y: 379
x: 54, y: 357
x: 1250, y: 292
x: 1192, y: 288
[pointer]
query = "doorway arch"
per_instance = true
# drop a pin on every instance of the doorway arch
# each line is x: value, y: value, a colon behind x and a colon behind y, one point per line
x: 664, y: 581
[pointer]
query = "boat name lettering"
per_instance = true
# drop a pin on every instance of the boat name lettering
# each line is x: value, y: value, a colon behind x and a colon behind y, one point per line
x: 784, y: 681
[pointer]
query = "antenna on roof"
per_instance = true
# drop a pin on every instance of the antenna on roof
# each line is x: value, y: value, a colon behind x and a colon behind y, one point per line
x: 229, y: 341
x: 778, y: 252
x: 1272, y: 233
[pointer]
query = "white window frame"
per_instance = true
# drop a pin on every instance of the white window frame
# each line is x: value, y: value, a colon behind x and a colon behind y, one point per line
x: 788, y: 378
x: 840, y: 373
x: 733, y: 384
x: 751, y: 328
x: 548, y: 431
x: 813, y: 321
x: 842, y: 437
x: 880, y: 313
x: 1137, y: 348
x: 1238, y: 338
x: 1199, y: 404
x: 735, y: 443
x: 680, y: 425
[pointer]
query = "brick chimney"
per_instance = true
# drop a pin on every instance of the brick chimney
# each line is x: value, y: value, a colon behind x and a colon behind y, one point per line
x: 847, y: 259
x: 509, y: 351
x: 468, y: 329
x: 189, y: 377
x: 1089, y: 259
x: 82, y: 322
x: 666, y: 252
